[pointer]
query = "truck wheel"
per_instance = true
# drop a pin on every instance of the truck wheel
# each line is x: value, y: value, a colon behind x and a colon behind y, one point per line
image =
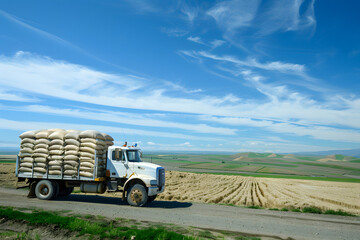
x: 151, y: 198
x: 44, y: 190
x: 137, y: 195
x: 67, y: 191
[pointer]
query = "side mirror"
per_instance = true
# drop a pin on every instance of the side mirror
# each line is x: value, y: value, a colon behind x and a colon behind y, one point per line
x: 117, y: 154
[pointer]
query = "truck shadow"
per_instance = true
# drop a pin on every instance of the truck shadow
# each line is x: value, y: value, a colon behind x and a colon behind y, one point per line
x: 119, y: 201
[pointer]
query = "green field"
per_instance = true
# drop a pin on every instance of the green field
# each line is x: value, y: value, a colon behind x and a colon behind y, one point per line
x: 332, y: 168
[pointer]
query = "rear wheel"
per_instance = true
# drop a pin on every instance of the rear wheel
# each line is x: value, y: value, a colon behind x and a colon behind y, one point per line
x: 44, y: 190
x: 137, y: 195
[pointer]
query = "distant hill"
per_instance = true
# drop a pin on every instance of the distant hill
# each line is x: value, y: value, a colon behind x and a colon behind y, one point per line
x: 351, y: 152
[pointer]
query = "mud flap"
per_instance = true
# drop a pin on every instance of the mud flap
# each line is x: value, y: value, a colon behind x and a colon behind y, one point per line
x: 32, y: 190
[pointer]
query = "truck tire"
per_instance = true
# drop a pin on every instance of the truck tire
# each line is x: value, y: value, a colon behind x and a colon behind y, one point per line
x: 67, y: 191
x: 151, y: 198
x: 137, y: 195
x: 44, y: 190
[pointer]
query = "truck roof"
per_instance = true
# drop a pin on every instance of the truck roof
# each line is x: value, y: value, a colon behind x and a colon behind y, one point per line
x: 124, y: 148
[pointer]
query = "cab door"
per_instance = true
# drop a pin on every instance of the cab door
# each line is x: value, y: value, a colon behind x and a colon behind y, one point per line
x: 118, y: 167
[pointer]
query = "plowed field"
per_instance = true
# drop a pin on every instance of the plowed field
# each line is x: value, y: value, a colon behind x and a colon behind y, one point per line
x: 263, y: 192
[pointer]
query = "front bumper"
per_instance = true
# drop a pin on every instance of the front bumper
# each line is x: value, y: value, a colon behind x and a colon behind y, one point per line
x: 154, y: 190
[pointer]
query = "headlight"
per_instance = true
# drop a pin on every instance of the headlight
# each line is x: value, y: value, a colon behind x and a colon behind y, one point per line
x: 153, y: 182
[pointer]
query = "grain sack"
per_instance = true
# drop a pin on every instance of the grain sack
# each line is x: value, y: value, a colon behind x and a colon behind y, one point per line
x: 26, y: 164
x: 29, y: 134
x: 40, y: 159
x: 42, y: 134
x: 26, y: 150
x: 56, y: 142
x: 72, y: 163
x: 86, y: 174
x: 25, y: 169
x: 41, y: 150
x: 37, y: 164
x: 86, y: 159
x: 70, y: 172
x: 42, y: 141
x: 54, y: 167
x: 76, y: 153
x: 71, y: 148
x: 86, y: 154
x: 27, y: 159
x: 72, y: 142
x: 108, y: 137
x: 22, y: 155
x: 56, y: 157
x: 89, y: 145
x: 86, y: 169
x: 41, y: 145
x: 69, y: 167
x: 39, y: 169
x: 87, y: 149
x: 92, y: 140
x: 54, y: 172
x: 71, y: 157
x: 56, y: 147
x: 57, y: 135
x: 92, y: 134
x: 35, y: 155
x: 86, y: 164
x: 55, y: 162
x: 27, y: 145
x: 74, y: 134
x: 109, y: 143
x: 56, y: 152
x: 27, y: 140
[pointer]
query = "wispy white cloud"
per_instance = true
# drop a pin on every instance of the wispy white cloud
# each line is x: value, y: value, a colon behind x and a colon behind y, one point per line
x: 121, y: 117
x: 217, y: 43
x: 26, y: 125
x: 8, y: 96
x: 47, y: 77
x: 195, y: 40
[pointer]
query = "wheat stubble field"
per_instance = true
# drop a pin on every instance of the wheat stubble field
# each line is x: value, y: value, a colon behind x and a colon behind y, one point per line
x: 263, y: 192
x: 243, y: 191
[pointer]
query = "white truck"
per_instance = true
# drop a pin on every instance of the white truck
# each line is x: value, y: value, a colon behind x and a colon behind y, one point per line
x: 139, y: 182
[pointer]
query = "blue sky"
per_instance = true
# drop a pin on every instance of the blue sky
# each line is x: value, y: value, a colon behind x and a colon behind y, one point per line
x: 265, y: 76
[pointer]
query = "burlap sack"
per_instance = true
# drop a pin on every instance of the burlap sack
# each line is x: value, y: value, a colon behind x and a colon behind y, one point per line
x: 27, y: 145
x: 76, y: 153
x: 28, y: 140
x: 25, y: 169
x: 41, y: 150
x: 74, y: 134
x: 42, y: 134
x: 56, y: 142
x: 29, y: 134
x: 72, y: 142
x: 56, y: 147
x: 92, y: 134
x: 41, y: 145
x: 26, y: 150
x: 58, y: 135
x: 42, y: 141
x: 71, y: 148
x: 71, y: 157
x: 86, y: 174
x: 40, y: 159
x: 40, y: 170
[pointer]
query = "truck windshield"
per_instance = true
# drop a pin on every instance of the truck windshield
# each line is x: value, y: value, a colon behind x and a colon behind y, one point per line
x: 133, y: 155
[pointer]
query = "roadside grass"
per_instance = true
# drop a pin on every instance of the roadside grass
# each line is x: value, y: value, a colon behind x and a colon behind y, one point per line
x: 99, y: 227
x: 314, y: 210
x: 86, y: 227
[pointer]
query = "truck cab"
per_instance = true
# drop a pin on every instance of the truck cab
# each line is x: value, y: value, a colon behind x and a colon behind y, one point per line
x: 140, y: 181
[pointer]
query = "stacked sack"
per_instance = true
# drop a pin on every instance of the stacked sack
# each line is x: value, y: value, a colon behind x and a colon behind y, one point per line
x: 56, y: 151
x: 26, y: 151
x: 71, y: 158
x: 41, y: 152
x: 91, y: 141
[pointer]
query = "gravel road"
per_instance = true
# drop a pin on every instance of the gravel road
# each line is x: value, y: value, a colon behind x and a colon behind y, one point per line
x: 260, y: 222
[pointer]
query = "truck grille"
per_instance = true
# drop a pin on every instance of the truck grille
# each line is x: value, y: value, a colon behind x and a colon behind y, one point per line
x: 161, y: 176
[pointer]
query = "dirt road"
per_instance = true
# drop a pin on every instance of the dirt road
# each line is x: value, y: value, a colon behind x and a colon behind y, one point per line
x: 254, y: 221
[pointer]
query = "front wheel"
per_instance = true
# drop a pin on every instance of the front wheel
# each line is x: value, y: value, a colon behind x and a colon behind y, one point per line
x: 137, y: 195
x: 45, y: 190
